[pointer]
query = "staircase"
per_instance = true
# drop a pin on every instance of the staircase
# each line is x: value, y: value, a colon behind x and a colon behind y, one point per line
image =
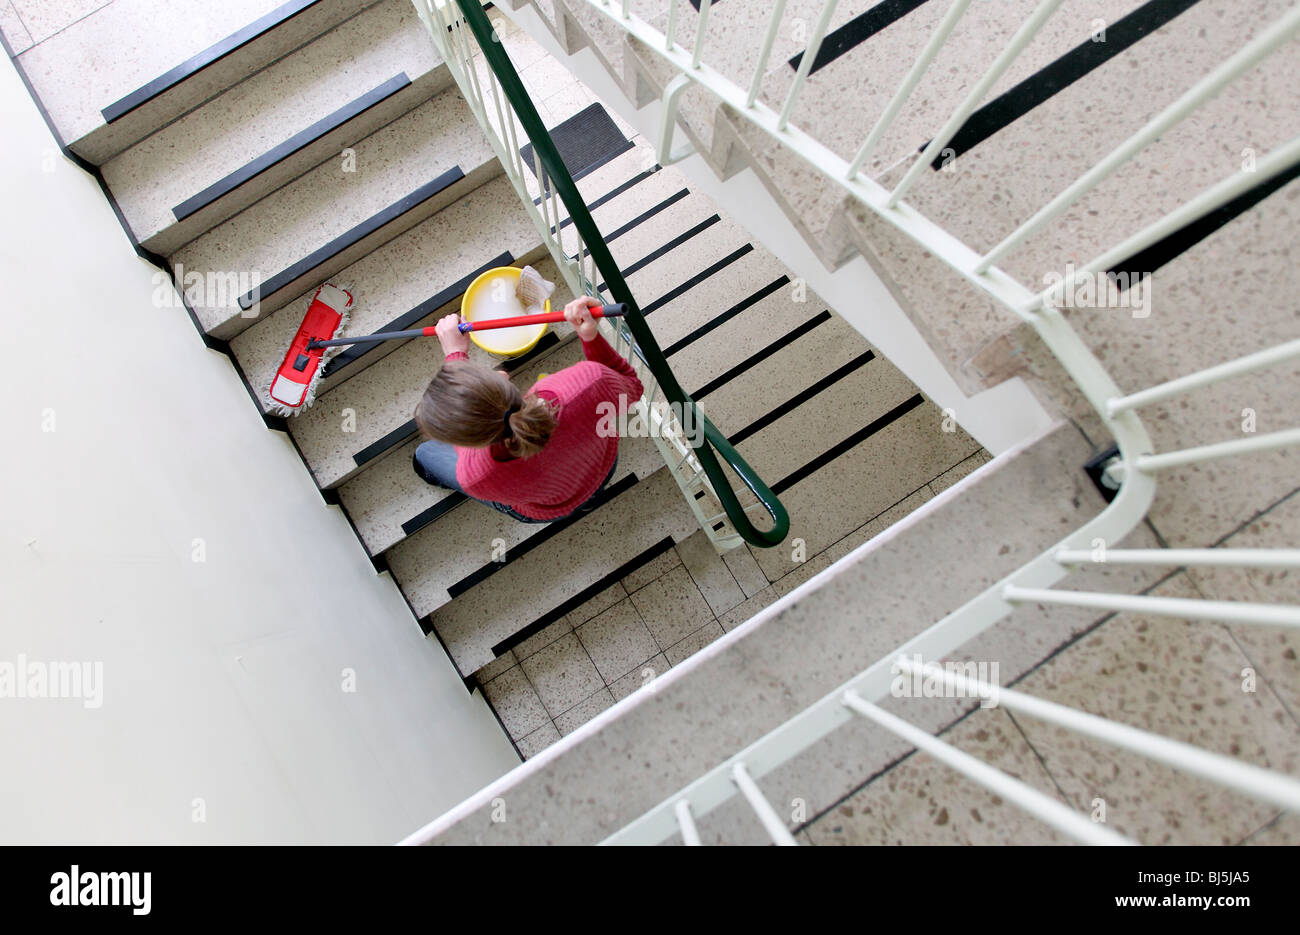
x: 345, y: 152
x: 257, y: 150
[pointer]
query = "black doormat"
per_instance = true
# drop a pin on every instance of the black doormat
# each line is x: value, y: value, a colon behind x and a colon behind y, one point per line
x: 586, y: 141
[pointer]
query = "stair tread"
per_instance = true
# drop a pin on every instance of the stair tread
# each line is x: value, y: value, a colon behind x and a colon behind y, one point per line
x: 580, y: 556
x: 123, y: 46
x: 200, y: 149
x: 397, y: 277
x: 287, y: 225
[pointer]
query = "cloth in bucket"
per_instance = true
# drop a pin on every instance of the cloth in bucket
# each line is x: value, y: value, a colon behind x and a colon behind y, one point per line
x: 533, y: 291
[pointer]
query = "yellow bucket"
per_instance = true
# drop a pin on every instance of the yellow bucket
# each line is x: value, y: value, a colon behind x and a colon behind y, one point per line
x: 492, y: 295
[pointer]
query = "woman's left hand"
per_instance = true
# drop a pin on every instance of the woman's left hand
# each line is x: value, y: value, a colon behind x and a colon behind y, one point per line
x: 450, y: 336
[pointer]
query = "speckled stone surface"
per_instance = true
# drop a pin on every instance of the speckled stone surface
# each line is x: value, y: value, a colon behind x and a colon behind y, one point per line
x: 125, y: 44
x: 1273, y: 651
x: 617, y: 641
x: 923, y: 801
x: 387, y: 495
x: 14, y: 29
x: 795, y: 657
x: 795, y: 369
x: 710, y: 573
x: 223, y: 135
x: 520, y: 592
x: 862, y: 483
x: 1178, y: 679
x: 43, y: 18
x: 290, y: 223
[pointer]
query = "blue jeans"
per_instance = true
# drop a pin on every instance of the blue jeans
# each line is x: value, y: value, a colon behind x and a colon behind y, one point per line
x: 435, y: 463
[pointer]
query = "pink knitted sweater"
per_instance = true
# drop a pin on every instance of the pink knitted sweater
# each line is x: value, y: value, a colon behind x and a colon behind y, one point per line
x: 570, y: 467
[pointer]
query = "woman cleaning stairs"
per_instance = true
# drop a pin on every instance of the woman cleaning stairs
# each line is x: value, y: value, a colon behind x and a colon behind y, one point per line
x: 537, y: 456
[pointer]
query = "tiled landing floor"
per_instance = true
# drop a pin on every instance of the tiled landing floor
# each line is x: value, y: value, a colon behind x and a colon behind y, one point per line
x: 651, y: 620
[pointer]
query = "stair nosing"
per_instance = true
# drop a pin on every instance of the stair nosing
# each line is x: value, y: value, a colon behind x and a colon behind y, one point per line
x: 291, y: 147
x: 174, y: 77
x: 352, y: 237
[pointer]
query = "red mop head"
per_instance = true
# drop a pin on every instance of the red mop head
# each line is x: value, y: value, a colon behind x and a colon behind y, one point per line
x: 295, y: 382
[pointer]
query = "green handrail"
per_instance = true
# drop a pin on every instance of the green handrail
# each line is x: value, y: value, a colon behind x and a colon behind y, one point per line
x: 712, y: 440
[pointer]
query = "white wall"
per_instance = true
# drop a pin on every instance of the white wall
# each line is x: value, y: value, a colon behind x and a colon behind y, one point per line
x: 222, y: 679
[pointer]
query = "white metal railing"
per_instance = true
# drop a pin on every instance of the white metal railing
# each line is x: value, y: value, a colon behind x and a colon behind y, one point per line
x: 1137, y: 463
x: 497, y: 116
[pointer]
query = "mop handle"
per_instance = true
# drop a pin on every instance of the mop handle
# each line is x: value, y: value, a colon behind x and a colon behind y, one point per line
x: 604, y: 311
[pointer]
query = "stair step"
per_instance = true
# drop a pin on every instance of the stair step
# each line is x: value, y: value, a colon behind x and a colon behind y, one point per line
x: 378, y: 399
x: 132, y: 66
x: 828, y: 349
x: 477, y: 623
x: 404, y: 284
x: 304, y: 109
x: 853, y: 486
x: 694, y: 283
x: 306, y: 232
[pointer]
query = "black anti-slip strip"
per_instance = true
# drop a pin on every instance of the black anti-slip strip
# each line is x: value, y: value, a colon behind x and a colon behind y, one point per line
x: 408, y: 430
x: 416, y: 523
x: 1013, y: 104
x: 697, y: 279
x: 209, y: 56
x: 784, y: 341
x: 790, y: 405
x: 671, y: 245
x: 1147, y: 261
x: 295, y: 144
x: 586, y: 594
x: 856, y: 31
x: 542, y: 535
x: 414, y: 316
x: 642, y: 218
x: 611, y: 195
x: 398, y: 436
x: 726, y: 316
x: 351, y: 238
x: 816, y: 464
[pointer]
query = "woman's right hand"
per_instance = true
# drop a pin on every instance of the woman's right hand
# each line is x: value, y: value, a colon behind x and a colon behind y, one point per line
x: 450, y: 336
x: 578, y: 314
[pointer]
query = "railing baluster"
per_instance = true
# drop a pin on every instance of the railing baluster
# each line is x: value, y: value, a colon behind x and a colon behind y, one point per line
x: 767, y: 815
x: 671, y: 34
x: 909, y: 84
x: 1246, y: 58
x: 1269, y: 442
x: 1039, y: 804
x: 1278, y: 160
x: 1024, y: 35
x: 700, y: 30
x: 1191, y: 608
x: 1263, y: 784
x: 690, y: 836
x: 760, y: 69
x: 1260, y: 360
x: 1217, y: 558
x: 805, y: 63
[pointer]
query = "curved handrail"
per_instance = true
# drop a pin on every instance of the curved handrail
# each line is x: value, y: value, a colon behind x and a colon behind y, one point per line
x: 708, y: 444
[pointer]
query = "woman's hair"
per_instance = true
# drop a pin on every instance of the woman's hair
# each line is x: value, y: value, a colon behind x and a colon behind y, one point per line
x: 466, y: 405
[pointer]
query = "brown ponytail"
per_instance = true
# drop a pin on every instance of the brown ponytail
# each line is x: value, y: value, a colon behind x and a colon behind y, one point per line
x: 470, y: 406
